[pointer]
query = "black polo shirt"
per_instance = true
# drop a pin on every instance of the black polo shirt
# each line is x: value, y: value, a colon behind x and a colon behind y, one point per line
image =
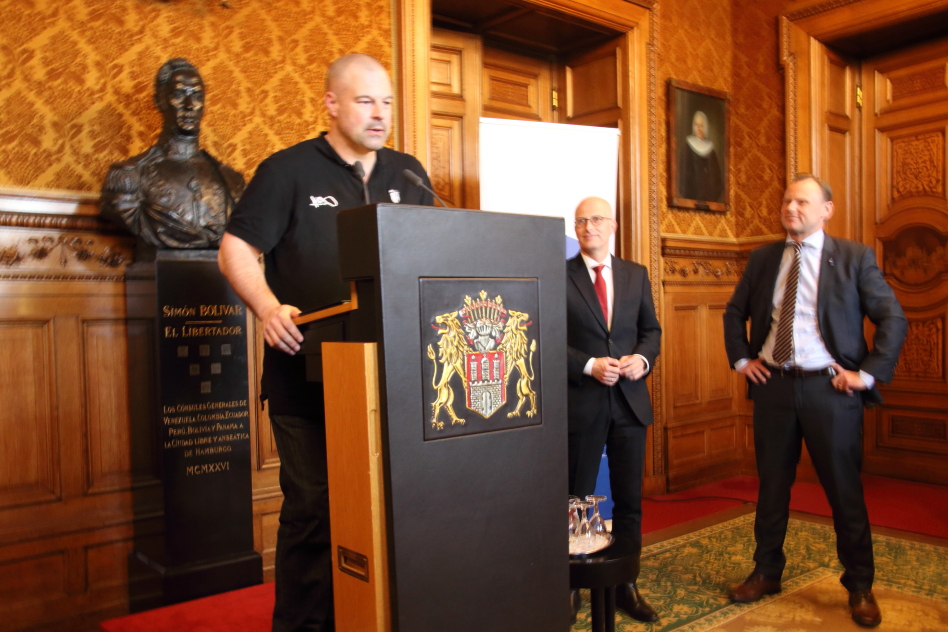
x: 288, y: 212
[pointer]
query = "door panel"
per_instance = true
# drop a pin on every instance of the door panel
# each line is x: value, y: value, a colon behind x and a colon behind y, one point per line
x: 454, y: 68
x: 593, y: 86
x: 837, y: 149
x: 905, y: 123
x: 516, y: 87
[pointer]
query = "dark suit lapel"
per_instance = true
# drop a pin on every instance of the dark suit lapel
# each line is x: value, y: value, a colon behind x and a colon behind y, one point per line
x: 621, y: 285
x: 771, y: 268
x: 579, y: 276
x: 827, y: 277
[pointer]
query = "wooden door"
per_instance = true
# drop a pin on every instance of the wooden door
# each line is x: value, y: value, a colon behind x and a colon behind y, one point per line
x: 596, y: 90
x: 454, y: 74
x: 905, y: 216
x: 836, y: 152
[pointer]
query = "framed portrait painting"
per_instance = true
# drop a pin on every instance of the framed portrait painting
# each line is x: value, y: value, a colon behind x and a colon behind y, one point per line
x: 698, y: 152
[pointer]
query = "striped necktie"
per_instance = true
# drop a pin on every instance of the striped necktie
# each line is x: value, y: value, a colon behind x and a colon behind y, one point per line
x: 783, y: 343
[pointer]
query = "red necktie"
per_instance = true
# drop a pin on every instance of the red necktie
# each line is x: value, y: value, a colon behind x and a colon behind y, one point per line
x: 600, y: 285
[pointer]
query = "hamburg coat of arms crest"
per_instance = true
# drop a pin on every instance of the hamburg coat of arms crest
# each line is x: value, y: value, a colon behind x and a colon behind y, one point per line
x: 482, y: 347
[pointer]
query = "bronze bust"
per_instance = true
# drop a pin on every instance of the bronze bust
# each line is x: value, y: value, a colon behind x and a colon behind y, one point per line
x: 174, y: 195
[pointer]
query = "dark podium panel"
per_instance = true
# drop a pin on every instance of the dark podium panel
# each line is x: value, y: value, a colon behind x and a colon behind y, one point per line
x: 467, y: 313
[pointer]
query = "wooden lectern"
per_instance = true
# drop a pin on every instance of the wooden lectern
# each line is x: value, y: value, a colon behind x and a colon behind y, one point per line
x: 446, y: 422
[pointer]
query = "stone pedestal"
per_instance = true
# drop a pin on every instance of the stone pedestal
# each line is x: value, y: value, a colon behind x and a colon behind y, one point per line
x: 203, y: 420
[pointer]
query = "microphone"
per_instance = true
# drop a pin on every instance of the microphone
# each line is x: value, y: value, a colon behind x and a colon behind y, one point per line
x: 360, y: 173
x: 415, y: 179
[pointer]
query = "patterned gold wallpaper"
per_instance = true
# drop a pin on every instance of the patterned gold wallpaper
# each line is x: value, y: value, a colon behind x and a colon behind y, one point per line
x: 758, y: 143
x: 76, y: 77
x: 728, y: 45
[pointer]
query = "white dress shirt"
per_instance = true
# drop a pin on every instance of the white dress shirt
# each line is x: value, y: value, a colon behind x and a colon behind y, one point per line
x: 610, y: 296
x: 809, y: 349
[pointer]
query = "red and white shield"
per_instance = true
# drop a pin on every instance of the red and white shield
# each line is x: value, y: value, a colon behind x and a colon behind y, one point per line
x: 485, y: 381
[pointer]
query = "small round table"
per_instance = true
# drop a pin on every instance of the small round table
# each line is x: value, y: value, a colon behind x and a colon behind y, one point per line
x: 601, y: 572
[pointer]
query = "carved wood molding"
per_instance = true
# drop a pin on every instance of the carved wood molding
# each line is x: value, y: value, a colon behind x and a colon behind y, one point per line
x: 65, y: 239
x: 923, y: 350
x: 789, y: 59
x: 652, y: 96
x: 703, y: 270
x: 686, y: 262
x: 63, y: 250
x: 59, y: 222
x: 822, y: 7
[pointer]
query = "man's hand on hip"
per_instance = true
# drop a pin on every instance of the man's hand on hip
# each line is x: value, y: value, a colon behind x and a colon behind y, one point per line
x: 755, y: 370
x: 847, y: 381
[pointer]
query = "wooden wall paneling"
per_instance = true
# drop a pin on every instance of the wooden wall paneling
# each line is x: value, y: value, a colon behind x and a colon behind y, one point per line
x: 79, y: 466
x: 704, y: 437
x: 74, y: 574
x: 705, y: 417
x: 265, y: 461
x: 64, y: 383
x: 29, y: 454
x: 455, y: 68
x: 266, y: 522
x: 108, y: 425
x: 72, y: 468
x: 264, y: 452
x: 516, y: 87
x: 684, y: 319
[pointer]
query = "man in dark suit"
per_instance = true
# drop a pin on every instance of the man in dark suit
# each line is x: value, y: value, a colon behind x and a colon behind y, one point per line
x: 613, y: 338
x: 809, y: 372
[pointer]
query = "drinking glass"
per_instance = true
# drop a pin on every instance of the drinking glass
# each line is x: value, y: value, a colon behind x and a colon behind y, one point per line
x: 574, y: 519
x: 596, y: 524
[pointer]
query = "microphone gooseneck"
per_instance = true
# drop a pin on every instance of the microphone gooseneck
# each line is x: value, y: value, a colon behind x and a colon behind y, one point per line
x: 415, y: 179
x: 360, y: 173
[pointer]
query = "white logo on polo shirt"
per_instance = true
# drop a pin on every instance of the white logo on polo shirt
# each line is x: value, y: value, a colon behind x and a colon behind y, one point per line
x: 323, y: 201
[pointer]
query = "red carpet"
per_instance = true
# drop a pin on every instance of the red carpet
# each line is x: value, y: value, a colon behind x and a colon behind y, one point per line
x: 660, y: 512
x: 895, y: 504
x: 245, y: 610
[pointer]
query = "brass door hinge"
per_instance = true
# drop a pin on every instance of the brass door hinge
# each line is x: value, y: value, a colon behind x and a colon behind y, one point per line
x: 859, y: 97
x: 556, y: 100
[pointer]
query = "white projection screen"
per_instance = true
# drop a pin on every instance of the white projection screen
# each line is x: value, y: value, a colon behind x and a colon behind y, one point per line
x: 546, y: 168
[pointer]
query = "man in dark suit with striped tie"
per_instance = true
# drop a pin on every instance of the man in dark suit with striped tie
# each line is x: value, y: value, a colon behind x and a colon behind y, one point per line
x: 810, y: 371
x: 613, y: 338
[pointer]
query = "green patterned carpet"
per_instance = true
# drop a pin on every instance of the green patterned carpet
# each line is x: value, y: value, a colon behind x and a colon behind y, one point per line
x: 686, y: 579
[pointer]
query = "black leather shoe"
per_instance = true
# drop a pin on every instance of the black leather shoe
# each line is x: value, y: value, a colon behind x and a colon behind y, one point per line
x: 575, y: 602
x: 629, y: 601
x: 754, y: 588
x: 865, y: 609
